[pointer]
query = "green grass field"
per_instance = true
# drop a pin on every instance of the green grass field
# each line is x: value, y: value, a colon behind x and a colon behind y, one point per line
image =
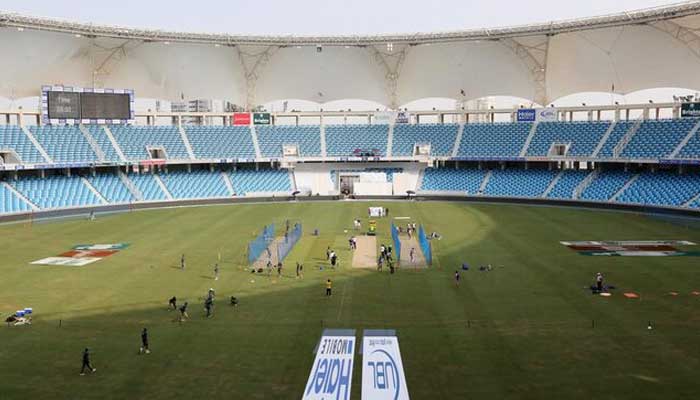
x: 523, y: 330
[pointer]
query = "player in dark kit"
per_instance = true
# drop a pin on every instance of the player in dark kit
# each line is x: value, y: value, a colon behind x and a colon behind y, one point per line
x: 183, y: 312
x: 144, y: 342
x: 86, y: 362
x: 208, y: 305
x: 172, y: 303
x: 182, y: 262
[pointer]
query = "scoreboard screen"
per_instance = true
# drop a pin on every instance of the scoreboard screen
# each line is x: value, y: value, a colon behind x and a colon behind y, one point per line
x: 105, y: 106
x: 64, y: 105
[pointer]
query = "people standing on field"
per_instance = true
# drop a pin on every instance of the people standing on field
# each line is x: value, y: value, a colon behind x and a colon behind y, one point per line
x: 182, y: 262
x: 86, y: 363
x: 144, y: 342
x: 329, y: 286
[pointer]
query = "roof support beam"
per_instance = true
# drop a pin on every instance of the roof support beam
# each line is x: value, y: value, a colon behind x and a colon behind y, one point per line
x: 534, y: 57
x: 252, y: 61
x: 105, y: 59
x: 391, y: 61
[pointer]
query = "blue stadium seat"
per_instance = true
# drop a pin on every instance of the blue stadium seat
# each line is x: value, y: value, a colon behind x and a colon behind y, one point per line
x: 569, y: 180
x: 12, y: 138
x: 343, y: 140
x: 195, y: 185
x: 662, y: 188
x: 9, y: 203
x: 134, y: 141
x: 111, y: 188
x: 64, y: 143
x: 148, y: 186
x: 441, y: 138
x: 56, y: 191
x: 217, y: 142
x: 657, y: 139
x: 617, y: 133
x: 583, y: 136
x: 271, y: 138
x: 519, y: 182
x: 605, y: 185
x: 446, y: 179
x: 98, y: 133
x: 481, y: 140
x: 264, y: 180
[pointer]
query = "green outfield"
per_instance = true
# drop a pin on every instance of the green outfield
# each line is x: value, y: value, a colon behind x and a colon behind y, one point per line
x: 526, y: 329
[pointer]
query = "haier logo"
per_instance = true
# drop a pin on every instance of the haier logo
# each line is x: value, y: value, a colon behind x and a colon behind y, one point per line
x: 331, y: 374
x: 526, y: 115
x: 382, y: 369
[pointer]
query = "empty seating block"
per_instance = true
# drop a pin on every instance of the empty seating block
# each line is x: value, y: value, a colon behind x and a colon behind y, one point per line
x: 692, y: 148
x: 134, y: 141
x: 12, y: 138
x: 195, y: 185
x: 111, y: 188
x: 344, y: 140
x: 264, y: 180
x: 461, y: 180
x: 148, y: 187
x: 441, y: 138
x: 605, y: 185
x: 658, y: 139
x: 582, y: 136
x: 493, y: 140
x: 519, y: 182
x: 620, y: 129
x: 271, y: 138
x: 98, y: 133
x: 568, y: 181
x: 214, y: 142
x: 9, y: 203
x: 64, y: 143
x: 56, y: 191
x: 662, y: 188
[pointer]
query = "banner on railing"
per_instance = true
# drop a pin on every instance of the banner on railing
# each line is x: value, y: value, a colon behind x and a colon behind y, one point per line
x: 384, y: 117
x: 690, y: 110
x: 402, y: 117
x: 241, y: 118
x: 261, y: 118
x: 526, y: 115
x: 546, y: 114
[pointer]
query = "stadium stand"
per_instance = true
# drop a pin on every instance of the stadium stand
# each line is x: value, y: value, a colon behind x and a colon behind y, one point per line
x: 617, y: 133
x: 10, y: 203
x: 148, y: 186
x: 692, y: 148
x: 657, y: 139
x: 216, y: 142
x: 64, y: 143
x: 12, y: 138
x: 581, y: 136
x: 605, y: 185
x: 518, y: 183
x: 111, y: 188
x: 134, y: 141
x: 662, y: 188
x: 344, y: 140
x: 56, y: 191
x: 567, y: 183
x: 444, y: 179
x: 481, y: 140
x: 98, y: 133
x: 194, y: 185
x: 273, y: 137
x: 247, y: 181
x: 440, y: 136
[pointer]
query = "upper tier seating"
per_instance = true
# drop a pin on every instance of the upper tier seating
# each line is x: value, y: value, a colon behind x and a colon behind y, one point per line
x: 56, y: 191
x: 620, y: 129
x: 344, y: 140
x: 272, y: 137
x: 567, y: 183
x: 98, y: 133
x: 134, y: 141
x: 12, y: 138
x: 518, y: 182
x: 605, y: 185
x: 111, y: 188
x: 582, y: 137
x: 447, y: 179
x: 692, y: 148
x: 195, y: 185
x: 440, y: 136
x: 264, y: 180
x: 481, y: 140
x: 64, y: 143
x: 216, y: 142
x: 10, y: 203
x: 662, y: 188
x: 657, y: 139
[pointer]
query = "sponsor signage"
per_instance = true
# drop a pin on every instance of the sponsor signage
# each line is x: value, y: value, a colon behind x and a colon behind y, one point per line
x: 261, y: 118
x: 382, y: 369
x: 403, y: 117
x: 331, y: 373
x: 241, y: 118
x: 546, y: 114
x: 384, y: 117
x: 526, y: 115
x: 644, y: 248
x: 690, y: 110
x: 83, y: 254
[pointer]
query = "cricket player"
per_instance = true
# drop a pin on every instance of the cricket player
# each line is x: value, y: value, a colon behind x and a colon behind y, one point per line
x: 412, y: 255
x: 144, y: 342
x: 182, y: 262
x: 216, y: 271
x: 172, y: 303
x: 183, y: 312
x: 86, y: 363
x: 329, y: 287
x: 209, y: 305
